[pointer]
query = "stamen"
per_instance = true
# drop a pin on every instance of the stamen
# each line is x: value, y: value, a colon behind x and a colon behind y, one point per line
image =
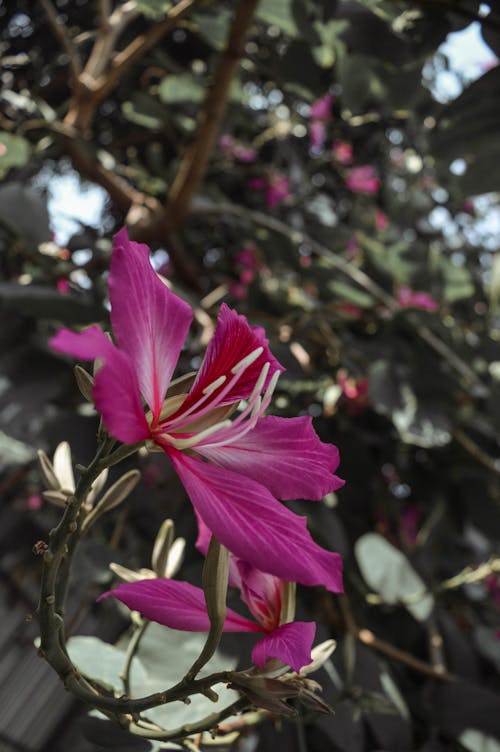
x: 214, y: 385
x: 193, y: 440
x: 247, y: 360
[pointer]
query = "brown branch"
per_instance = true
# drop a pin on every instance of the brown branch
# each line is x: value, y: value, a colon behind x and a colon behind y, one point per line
x: 139, y: 46
x: 111, y: 25
x: 60, y: 32
x: 470, y: 446
x: 367, y: 637
x: 194, y: 162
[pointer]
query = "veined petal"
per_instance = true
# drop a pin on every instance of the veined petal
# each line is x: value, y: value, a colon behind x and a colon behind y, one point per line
x: 290, y: 643
x: 150, y: 323
x: 285, y: 455
x: 233, y: 340
x: 178, y: 605
x: 253, y: 525
x: 262, y: 592
x: 116, y: 391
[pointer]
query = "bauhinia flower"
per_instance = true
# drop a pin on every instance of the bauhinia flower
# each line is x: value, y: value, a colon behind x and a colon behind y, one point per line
x: 363, y: 179
x: 234, y: 465
x: 180, y: 605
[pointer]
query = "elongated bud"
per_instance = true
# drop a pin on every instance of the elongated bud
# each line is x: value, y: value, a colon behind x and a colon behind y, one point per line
x: 287, y: 613
x: 63, y: 466
x: 215, y: 581
x: 263, y: 692
x: 55, y: 497
x: 85, y: 382
x: 130, y: 575
x: 47, y: 471
x: 113, y: 496
x: 161, y: 548
x: 175, y: 557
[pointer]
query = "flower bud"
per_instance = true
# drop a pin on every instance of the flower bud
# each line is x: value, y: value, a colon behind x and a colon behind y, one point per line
x: 85, y: 383
x: 113, y: 496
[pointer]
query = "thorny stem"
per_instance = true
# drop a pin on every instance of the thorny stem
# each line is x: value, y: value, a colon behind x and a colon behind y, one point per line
x: 57, y: 561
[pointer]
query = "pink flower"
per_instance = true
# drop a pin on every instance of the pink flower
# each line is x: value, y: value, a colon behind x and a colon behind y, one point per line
x: 321, y: 109
x: 410, y: 523
x: 363, y: 179
x: 381, y: 220
x: 317, y: 134
x: 63, y: 286
x: 180, y: 605
x: 342, y: 152
x: 233, y: 150
x: 277, y: 188
x: 409, y: 299
x: 234, y: 470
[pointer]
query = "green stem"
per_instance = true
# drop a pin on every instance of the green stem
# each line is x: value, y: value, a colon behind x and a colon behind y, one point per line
x: 132, y: 648
x: 208, y: 723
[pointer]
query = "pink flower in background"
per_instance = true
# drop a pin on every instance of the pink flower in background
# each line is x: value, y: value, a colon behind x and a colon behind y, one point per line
x: 277, y: 188
x: 381, y: 220
x: 352, y: 247
x: 63, y: 286
x: 354, y: 392
x: 363, y: 179
x: 321, y: 109
x: 410, y: 523
x: 248, y: 265
x: 321, y: 112
x: 342, y: 152
x: 407, y: 298
x: 234, y: 150
x: 317, y: 134
x: 234, y: 465
x: 180, y: 605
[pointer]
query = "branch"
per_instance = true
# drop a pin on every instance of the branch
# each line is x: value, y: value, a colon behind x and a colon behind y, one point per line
x: 210, y: 722
x: 111, y: 25
x: 60, y: 32
x: 357, y: 275
x: 140, y: 45
x: 194, y: 163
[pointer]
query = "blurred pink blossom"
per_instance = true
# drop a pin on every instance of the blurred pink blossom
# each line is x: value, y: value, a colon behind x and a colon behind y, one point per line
x: 234, y: 150
x: 342, y: 152
x: 34, y: 501
x: 407, y: 298
x: 63, y: 286
x: 277, y: 188
x: 321, y: 109
x: 363, y: 179
x: 410, y: 519
x: 317, y: 134
x: 354, y: 392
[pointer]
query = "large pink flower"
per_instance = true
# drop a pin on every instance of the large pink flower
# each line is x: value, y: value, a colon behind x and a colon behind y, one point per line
x: 234, y: 465
x: 180, y: 605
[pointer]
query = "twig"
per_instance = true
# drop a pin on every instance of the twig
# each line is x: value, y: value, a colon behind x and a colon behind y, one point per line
x: 59, y: 30
x: 139, y: 46
x: 194, y: 162
x: 111, y: 25
x: 470, y: 446
x: 346, y: 267
x: 209, y: 722
x: 132, y: 648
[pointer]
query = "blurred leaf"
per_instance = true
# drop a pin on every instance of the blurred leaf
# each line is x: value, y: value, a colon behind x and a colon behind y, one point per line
x: 18, y: 202
x: 213, y: 27
x: 475, y: 741
x: 106, y: 735
x: 389, y: 573
x: 144, y: 110
x: 167, y: 654
x: 350, y: 294
x: 14, y: 452
x: 102, y: 661
x: 15, y: 151
x: 45, y: 303
x: 153, y: 8
x: 279, y: 13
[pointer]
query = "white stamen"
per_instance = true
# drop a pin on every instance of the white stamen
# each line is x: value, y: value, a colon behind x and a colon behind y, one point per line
x: 193, y: 440
x: 214, y: 385
x: 247, y: 360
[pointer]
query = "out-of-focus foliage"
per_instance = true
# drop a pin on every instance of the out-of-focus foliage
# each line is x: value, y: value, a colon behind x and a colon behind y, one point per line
x: 344, y: 208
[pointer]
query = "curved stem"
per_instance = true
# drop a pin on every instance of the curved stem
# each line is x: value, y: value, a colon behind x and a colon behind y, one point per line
x: 132, y: 649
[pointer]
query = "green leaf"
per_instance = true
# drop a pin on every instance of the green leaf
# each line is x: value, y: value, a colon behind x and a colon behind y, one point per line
x: 102, y: 661
x: 153, y: 8
x: 388, y: 572
x: 15, y: 151
x: 213, y: 27
x: 279, y: 13
x: 167, y: 654
x: 184, y: 87
x: 475, y: 740
x: 145, y: 110
x: 351, y: 294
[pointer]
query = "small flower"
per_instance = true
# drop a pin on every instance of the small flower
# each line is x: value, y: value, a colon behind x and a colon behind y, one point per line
x: 166, y: 558
x: 321, y: 109
x: 234, y: 465
x: 363, y: 179
x: 277, y: 188
x: 180, y: 605
x: 342, y: 152
x: 407, y: 298
x: 381, y: 220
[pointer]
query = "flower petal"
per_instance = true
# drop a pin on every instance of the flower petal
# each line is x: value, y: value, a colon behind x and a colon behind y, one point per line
x: 285, y: 455
x: 262, y: 592
x: 290, y: 643
x: 233, y: 340
x: 116, y: 391
x: 254, y: 526
x: 150, y: 323
x: 178, y: 605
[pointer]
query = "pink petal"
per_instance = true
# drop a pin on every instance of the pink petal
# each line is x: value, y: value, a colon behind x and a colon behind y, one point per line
x: 317, y: 134
x: 262, y: 592
x: 150, y: 323
x: 178, y: 605
x: 285, y: 455
x: 321, y: 109
x: 232, y: 341
x: 290, y: 643
x: 254, y: 526
x: 116, y: 391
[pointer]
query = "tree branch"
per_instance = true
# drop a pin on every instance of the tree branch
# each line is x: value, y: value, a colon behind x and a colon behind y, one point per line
x: 60, y: 32
x: 194, y: 163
